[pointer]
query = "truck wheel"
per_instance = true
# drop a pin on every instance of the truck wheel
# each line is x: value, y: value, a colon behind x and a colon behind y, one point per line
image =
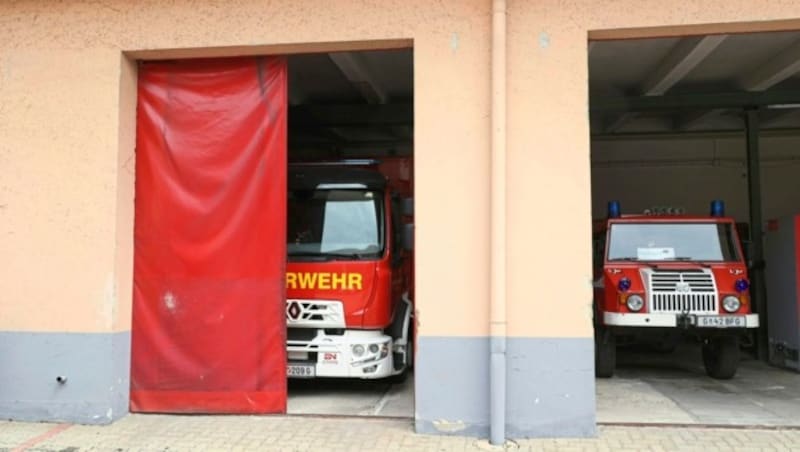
x: 721, y: 357
x: 605, y: 354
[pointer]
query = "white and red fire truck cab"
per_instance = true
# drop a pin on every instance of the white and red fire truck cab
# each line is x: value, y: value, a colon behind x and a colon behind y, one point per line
x: 348, y: 277
x: 660, y: 277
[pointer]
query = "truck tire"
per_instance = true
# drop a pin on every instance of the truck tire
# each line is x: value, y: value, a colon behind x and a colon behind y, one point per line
x: 605, y: 353
x: 721, y: 357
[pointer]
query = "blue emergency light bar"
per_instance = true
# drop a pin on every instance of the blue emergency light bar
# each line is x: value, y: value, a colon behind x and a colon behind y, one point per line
x: 717, y: 208
x: 614, y: 210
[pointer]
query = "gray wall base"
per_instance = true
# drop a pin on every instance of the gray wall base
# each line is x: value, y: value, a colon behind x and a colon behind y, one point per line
x: 451, y: 386
x: 96, y: 367
x: 550, y: 387
x: 551, y: 390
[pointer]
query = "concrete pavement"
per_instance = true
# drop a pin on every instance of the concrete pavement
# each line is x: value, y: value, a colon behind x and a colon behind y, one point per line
x: 352, y: 397
x: 649, y: 388
x: 138, y: 432
x: 673, y: 388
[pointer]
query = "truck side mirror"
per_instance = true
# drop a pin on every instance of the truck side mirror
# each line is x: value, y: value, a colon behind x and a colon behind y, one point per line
x: 408, y: 236
x: 407, y: 207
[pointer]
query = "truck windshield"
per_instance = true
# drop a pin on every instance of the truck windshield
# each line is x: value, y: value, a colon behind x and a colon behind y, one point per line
x: 708, y: 242
x: 335, y: 223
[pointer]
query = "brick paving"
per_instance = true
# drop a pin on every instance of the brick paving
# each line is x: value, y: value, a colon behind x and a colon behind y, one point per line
x: 286, y: 433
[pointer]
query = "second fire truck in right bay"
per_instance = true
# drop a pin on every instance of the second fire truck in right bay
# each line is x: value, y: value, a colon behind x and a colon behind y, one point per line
x: 661, y: 277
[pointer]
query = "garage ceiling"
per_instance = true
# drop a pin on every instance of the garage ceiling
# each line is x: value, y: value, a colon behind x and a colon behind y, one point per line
x: 351, y: 103
x: 700, y: 83
x: 361, y: 103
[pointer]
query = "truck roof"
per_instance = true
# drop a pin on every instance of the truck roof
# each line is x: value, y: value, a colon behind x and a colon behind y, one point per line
x: 312, y: 177
x: 670, y: 219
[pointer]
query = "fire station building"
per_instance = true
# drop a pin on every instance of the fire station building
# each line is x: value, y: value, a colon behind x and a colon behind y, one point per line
x: 522, y: 118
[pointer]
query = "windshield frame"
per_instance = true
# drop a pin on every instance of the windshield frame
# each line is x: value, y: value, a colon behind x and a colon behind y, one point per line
x: 380, y: 218
x: 733, y: 234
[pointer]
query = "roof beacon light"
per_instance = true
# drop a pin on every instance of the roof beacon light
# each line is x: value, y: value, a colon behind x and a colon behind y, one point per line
x: 613, y: 209
x: 717, y: 208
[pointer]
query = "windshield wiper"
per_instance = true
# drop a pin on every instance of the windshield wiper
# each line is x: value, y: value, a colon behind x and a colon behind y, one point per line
x: 687, y: 259
x: 632, y: 259
x: 345, y: 255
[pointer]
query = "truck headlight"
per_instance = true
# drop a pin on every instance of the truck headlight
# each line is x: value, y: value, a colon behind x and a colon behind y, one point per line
x: 635, y: 303
x: 358, y: 350
x: 731, y: 303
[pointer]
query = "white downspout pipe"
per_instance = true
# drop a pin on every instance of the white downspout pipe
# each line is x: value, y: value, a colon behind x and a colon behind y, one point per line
x: 497, y: 281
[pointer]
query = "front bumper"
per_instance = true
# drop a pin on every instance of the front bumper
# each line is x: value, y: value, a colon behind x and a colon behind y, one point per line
x: 332, y: 355
x: 669, y: 320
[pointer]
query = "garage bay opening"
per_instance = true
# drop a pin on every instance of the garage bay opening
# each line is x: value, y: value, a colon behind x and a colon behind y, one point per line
x: 349, y: 275
x: 695, y: 144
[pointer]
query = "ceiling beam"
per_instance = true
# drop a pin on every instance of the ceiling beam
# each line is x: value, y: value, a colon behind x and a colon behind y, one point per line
x: 685, y: 56
x: 685, y: 102
x: 689, y: 120
x: 699, y: 134
x: 774, y: 71
x: 615, y: 123
x: 770, y: 117
x: 356, y: 71
x: 350, y: 115
x: 372, y: 147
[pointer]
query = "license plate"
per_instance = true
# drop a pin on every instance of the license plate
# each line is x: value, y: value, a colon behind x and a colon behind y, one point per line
x: 299, y: 371
x: 720, y: 321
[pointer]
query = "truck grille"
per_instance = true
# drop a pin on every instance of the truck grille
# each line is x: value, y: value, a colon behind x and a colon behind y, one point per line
x: 314, y: 314
x: 693, y: 303
x: 681, y: 291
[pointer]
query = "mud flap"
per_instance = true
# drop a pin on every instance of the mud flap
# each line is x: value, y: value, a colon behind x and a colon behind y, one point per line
x: 400, y: 332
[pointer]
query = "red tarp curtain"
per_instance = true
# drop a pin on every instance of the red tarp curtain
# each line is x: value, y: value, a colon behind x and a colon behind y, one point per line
x: 209, y: 324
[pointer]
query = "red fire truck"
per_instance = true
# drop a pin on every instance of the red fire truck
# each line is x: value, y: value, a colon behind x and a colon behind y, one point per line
x: 661, y: 276
x: 349, y: 309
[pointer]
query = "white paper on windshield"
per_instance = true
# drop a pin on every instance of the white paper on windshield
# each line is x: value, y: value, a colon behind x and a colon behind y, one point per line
x: 655, y: 254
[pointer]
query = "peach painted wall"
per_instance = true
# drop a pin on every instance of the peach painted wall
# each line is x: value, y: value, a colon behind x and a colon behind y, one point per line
x: 67, y: 95
x: 58, y: 183
x: 67, y: 98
